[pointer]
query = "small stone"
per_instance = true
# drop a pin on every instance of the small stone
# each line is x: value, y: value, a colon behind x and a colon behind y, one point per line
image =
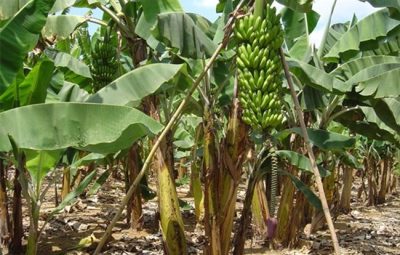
x: 83, y: 227
x: 316, y: 245
x: 68, y: 209
x: 381, y: 230
x: 307, y: 230
x: 355, y: 214
x: 359, y: 238
x: 76, y: 225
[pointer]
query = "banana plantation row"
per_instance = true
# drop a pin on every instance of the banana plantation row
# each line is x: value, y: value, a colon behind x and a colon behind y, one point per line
x: 244, y: 100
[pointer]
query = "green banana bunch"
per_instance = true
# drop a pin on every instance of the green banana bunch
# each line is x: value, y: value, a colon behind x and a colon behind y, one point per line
x: 259, y: 69
x: 83, y: 39
x: 104, y: 63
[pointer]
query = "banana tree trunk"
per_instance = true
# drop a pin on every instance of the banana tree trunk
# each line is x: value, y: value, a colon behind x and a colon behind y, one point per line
x: 33, y: 229
x: 245, y: 219
x: 195, y: 183
x: 211, y: 194
x: 370, y: 167
x: 18, y: 232
x: 232, y: 153
x: 286, y: 203
x: 285, y: 208
x: 332, y: 196
x: 389, y: 178
x: 135, y: 206
x: 4, y: 217
x: 170, y: 216
x: 298, y: 214
x: 260, y: 209
x: 383, y: 186
x: 222, y: 178
x: 330, y: 187
x: 394, y: 184
x: 346, y: 191
x: 66, y: 184
x: 182, y: 169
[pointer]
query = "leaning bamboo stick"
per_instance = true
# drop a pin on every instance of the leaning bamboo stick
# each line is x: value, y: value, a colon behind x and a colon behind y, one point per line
x: 311, y: 155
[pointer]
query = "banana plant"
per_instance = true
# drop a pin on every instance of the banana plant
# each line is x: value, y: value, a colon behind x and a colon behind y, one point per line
x: 327, y: 89
x: 36, y: 146
x: 159, y: 51
x: 15, y: 88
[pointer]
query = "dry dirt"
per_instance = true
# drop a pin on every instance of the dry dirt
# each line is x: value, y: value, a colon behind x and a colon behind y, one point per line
x: 366, y: 230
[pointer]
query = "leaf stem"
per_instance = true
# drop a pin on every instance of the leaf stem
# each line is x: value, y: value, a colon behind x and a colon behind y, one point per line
x: 96, y: 21
x: 259, y: 8
x: 325, y: 36
x: 117, y: 20
x: 342, y: 112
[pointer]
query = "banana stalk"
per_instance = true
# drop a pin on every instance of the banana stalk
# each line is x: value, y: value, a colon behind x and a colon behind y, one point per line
x: 171, y: 222
x: 222, y: 179
x: 286, y: 202
x: 240, y: 236
x: 211, y: 195
x: 135, y: 208
x: 196, y: 189
x: 260, y: 209
x: 298, y: 214
x: 346, y: 191
x: 4, y: 217
x: 66, y: 184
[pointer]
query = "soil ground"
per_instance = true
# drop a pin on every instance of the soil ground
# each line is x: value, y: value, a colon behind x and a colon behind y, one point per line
x: 366, y: 230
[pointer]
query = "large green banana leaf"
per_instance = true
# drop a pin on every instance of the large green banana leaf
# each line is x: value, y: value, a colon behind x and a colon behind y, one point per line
x: 313, y: 76
x: 312, y: 99
x: 297, y: 5
x: 65, y: 60
x: 60, y: 5
x: 388, y: 110
x: 384, y: 3
x: 367, y: 30
x: 61, y: 25
x: 33, y: 90
x: 71, y: 92
x: 388, y: 45
x: 378, y: 81
x: 178, y: 30
x: 312, y: 198
x: 323, y: 139
x: 371, y: 76
x: 336, y: 31
x: 10, y: 8
x: 151, y: 9
x: 91, y: 127
x: 349, y: 69
x: 300, y: 161
x: 297, y: 24
x: 39, y: 164
x: 370, y: 125
x: 18, y: 36
x: 134, y: 86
